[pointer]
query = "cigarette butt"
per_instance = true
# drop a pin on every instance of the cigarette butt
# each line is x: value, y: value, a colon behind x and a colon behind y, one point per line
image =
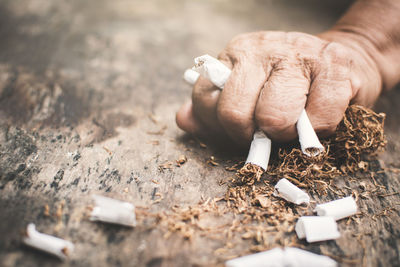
x: 113, y: 211
x: 260, y: 150
x: 212, y: 69
x: 191, y: 76
x: 309, y: 142
x: 290, y: 192
x: 50, y: 244
x: 316, y: 228
x: 273, y: 257
x: 338, y: 209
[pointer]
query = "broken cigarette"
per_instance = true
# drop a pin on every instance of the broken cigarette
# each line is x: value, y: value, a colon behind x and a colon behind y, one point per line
x: 296, y: 257
x: 260, y: 150
x: 338, y: 209
x: 309, y: 142
x: 191, y: 76
x: 287, y: 257
x: 316, y: 228
x: 273, y: 257
x: 212, y: 69
x: 113, y: 211
x: 50, y: 244
x: 290, y: 192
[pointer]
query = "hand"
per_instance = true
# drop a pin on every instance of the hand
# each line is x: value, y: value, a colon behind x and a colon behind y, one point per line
x: 274, y: 76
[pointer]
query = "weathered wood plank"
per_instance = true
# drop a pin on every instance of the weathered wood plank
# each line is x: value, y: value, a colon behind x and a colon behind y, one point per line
x: 78, y: 80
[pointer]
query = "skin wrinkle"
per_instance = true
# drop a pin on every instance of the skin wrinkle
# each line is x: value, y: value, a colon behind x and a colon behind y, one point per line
x: 351, y: 62
x: 326, y: 110
x: 205, y: 96
x: 237, y: 101
x: 273, y: 112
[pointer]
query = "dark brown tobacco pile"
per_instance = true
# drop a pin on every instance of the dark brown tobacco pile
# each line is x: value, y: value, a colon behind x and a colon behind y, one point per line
x: 360, y: 134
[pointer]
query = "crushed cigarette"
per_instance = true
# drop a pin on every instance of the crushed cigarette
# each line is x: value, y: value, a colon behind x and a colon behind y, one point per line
x: 287, y: 257
x: 50, y: 244
x: 338, y: 209
x: 113, y: 211
x: 260, y: 150
x: 309, y: 142
x: 273, y: 257
x: 212, y: 69
x: 296, y: 257
x: 317, y: 228
x: 257, y: 160
x: 191, y: 76
x: 290, y: 192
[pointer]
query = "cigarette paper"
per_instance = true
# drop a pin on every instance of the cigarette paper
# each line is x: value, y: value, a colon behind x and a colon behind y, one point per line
x: 316, y: 228
x: 290, y: 192
x: 270, y: 258
x: 277, y: 257
x: 295, y: 257
x: 50, y: 244
x: 309, y: 142
x: 260, y: 150
x: 191, y: 76
x: 212, y: 69
x: 338, y: 209
x: 113, y: 211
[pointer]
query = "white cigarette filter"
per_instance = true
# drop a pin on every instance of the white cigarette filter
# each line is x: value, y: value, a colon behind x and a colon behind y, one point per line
x: 277, y: 257
x: 260, y: 150
x: 296, y: 257
x: 317, y: 228
x: 309, y: 142
x: 212, y: 69
x: 113, y: 211
x: 270, y: 258
x: 290, y: 192
x: 338, y: 209
x: 50, y: 244
x: 191, y: 76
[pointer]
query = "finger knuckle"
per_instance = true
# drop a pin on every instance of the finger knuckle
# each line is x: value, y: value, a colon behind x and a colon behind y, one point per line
x: 233, y: 117
x: 272, y: 122
x: 326, y: 127
x: 336, y: 53
x: 300, y: 39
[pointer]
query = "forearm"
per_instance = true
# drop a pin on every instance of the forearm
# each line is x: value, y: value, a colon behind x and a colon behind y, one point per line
x: 374, y: 25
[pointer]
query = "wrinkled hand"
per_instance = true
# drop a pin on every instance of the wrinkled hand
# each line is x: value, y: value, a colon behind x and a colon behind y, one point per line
x: 274, y: 76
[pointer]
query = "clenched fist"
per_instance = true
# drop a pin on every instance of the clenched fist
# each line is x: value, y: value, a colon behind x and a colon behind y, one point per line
x: 275, y: 75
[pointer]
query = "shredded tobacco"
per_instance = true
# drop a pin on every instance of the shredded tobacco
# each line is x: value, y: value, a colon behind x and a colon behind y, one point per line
x: 360, y: 134
x: 249, y: 211
x: 250, y: 173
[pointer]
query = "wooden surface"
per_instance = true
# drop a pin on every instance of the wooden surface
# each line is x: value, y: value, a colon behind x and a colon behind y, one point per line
x: 88, y: 94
